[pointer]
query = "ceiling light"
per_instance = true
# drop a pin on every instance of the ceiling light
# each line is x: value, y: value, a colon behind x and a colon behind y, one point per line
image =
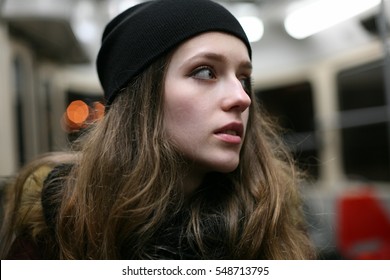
x: 319, y: 15
x: 253, y: 27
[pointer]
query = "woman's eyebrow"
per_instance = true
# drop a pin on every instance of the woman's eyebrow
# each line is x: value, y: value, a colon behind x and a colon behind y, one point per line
x: 219, y: 58
x: 209, y: 55
x: 247, y: 65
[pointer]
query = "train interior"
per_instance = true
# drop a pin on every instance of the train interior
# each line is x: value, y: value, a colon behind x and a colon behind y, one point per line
x: 329, y: 90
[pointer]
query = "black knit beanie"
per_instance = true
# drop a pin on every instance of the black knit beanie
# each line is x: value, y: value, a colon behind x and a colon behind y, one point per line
x: 138, y: 36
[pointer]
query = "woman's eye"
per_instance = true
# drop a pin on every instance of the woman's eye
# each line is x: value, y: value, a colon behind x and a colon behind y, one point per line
x: 203, y: 73
x: 246, y: 84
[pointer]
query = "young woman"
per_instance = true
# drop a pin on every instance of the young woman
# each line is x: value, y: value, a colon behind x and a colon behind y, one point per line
x: 184, y: 165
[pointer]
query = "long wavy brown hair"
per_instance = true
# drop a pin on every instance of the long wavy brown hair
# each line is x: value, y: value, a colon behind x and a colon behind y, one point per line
x: 122, y: 197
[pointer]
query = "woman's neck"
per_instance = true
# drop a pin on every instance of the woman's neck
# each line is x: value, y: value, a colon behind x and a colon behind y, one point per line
x: 192, y: 179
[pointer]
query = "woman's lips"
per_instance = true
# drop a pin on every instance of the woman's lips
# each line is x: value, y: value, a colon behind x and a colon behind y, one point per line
x: 230, y: 133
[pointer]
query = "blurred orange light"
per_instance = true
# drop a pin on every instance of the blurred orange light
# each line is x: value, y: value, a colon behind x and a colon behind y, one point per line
x: 77, y: 112
x: 98, y: 110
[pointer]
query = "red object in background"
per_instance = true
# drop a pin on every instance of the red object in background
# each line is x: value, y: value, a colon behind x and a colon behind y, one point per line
x: 363, y: 226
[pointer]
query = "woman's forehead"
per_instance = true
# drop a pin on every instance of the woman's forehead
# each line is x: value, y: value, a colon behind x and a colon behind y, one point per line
x: 215, y: 46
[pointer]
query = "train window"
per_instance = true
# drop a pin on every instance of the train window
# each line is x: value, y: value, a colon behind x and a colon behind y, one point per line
x: 363, y: 121
x: 366, y: 152
x: 361, y: 87
x: 292, y: 107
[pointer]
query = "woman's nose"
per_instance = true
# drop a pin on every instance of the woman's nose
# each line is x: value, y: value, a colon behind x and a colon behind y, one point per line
x: 236, y: 98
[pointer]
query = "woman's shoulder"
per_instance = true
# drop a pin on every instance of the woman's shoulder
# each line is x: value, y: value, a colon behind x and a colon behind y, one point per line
x: 40, y: 197
x: 52, y: 192
x: 30, y: 211
x: 25, y: 214
x: 24, y: 220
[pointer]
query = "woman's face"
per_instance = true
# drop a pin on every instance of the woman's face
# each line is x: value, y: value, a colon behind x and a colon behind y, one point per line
x: 206, y: 101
